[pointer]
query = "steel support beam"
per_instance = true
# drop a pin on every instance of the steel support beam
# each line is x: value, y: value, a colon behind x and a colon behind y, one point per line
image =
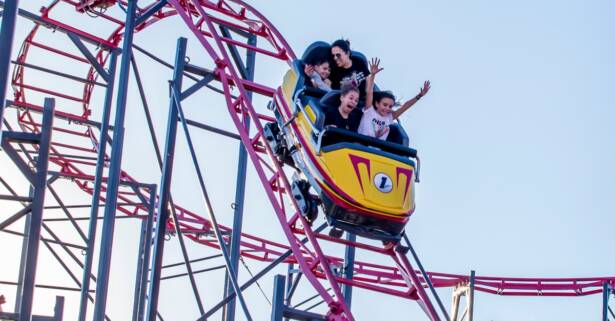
x: 15, y: 198
x: 89, y: 56
x: 59, y: 115
x: 426, y: 277
x: 607, y: 290
x: 165, y: 186
x: 143, y: 240
x: 192, y: 261
x: 348, y: 270
x: 212, y: 217
x: 58, y: 313
x: 292, y: 283
x: 279, y: 310
x: 178, y: 231
x: 70, y: 218
x: 58, y: 309
x: 212, y: 129
x: 292, y: 286
x: 57, y: 73
x: 24, y: 249
x: 150, y: 11
x: 36, y: 215
x: 145, y: 105
x: 15, y: 217
x: 56, y: 27
x: 463, y: 289
x: 147, y: 252
x: 197, y: 86
x: 256, y: 277
x: 289, y: 285
x: 471, y: 296
x: 235, y: 243
x: 106, y: 244
x: 46, y: 242
x: 411, y: 278
x: 144, y: 257
x: 7, y: 33
x: 456, y: 298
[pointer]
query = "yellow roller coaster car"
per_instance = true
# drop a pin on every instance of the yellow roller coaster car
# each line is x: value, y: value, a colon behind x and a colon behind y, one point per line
x: 366, y: 185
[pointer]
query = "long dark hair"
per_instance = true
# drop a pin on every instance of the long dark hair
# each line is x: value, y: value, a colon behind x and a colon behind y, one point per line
x: 342, y: 44
x: 379, y: 95
x: 318, y: 55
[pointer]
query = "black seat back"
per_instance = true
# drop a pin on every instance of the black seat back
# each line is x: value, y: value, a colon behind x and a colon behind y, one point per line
x: 334, y: 136
x: 318, y: 50
x: 331, y: 99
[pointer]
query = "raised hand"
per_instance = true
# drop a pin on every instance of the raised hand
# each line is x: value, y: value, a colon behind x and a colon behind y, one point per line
x: 309, y: 70
x: 425, y: 88
x: 382, y: 131
x: 374, y: 66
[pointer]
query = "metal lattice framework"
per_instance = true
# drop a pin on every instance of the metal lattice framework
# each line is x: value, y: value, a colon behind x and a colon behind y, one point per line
x: 78, y: 151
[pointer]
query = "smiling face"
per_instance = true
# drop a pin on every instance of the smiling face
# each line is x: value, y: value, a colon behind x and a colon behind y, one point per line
x: 384, y: 106
x: 349, y: 101
x: 341, y: 58
x: 323, y: 70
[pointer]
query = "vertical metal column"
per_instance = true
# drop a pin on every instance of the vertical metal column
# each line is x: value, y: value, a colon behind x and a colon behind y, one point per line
x: 98, y: 178
x: 240, y: 191
x: 471, y: 296
x: 136, y: 298
x: 289, y: 284
x: 456, y: 298
x: 146, y: 256
x: 165, y: 184
x: 277, y: 308
x: 24, y: 251
x: 606, y: 292
x: 106, y: 244
x: 58, y: 309
x: 144, y: 240
x: 34, y: 233
x: 349, y: 267
x: 7, y: 33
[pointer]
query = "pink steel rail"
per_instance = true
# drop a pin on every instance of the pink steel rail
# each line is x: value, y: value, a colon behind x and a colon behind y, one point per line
x: 397, y: 278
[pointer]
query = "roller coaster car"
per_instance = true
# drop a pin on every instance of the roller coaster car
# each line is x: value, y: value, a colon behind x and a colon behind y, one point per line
x: 366, y: 185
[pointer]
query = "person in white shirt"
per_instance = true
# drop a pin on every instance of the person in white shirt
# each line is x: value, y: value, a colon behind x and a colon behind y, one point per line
x: 378, y: 112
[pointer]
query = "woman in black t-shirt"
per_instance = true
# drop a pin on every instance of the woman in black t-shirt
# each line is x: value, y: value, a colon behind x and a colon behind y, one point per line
x: 346, y: 116
x: 347, y: 67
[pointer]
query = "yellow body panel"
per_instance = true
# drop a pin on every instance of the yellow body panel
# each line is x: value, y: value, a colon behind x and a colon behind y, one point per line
x: 355, y: 173
x: 288, y: 86
x: 304, y: 123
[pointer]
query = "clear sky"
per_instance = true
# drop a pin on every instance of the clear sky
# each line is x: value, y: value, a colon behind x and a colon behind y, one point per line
x: 516, y: 136
x: 516, y: 140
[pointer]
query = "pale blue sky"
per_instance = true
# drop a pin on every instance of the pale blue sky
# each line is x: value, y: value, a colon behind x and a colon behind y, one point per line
x: 515, y: 137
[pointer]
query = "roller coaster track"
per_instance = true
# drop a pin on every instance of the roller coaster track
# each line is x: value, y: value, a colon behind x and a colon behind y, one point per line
x: 74, y: 146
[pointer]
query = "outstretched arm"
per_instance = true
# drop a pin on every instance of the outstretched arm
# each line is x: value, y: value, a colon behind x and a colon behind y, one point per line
x: 374, y: 68
x: 411, y: 102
